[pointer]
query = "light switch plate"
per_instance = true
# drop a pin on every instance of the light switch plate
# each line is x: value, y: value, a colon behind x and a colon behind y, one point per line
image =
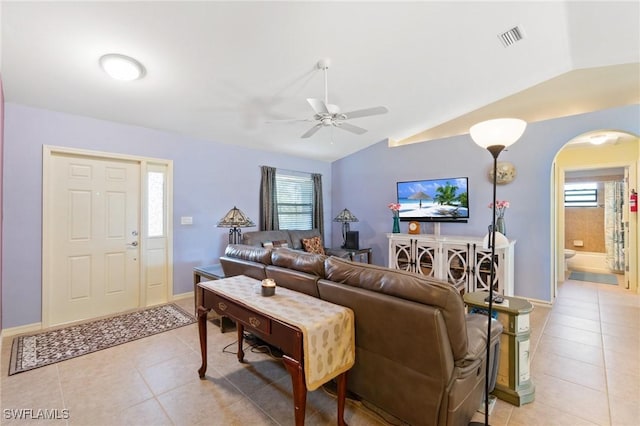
x: 186, y: 220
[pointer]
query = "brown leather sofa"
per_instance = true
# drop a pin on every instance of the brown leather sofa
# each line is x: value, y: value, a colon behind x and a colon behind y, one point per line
x: 292, y: 238
x: 419, y: 356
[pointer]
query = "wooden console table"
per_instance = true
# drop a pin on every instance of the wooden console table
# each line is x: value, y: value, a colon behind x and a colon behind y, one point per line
x: 291, y: 321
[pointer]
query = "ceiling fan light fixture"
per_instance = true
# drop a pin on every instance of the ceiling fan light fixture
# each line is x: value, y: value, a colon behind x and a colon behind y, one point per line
x: 330, y: 115
x: 121, y: 67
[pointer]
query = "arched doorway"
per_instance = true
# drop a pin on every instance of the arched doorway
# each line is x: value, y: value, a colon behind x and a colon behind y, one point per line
x: 607, y: 153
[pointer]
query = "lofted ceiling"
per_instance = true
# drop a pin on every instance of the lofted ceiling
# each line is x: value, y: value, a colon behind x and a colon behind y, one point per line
x: 228, y: 71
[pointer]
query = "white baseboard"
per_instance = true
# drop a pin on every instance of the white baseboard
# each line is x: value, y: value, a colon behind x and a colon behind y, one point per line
x: 183, y: 295
x: 21, y: 329
x: 540, y: 302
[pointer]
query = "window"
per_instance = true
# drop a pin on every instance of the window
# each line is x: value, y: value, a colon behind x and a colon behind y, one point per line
x: 155, y: 201
x: 295, y: 200
x: 581, y: 194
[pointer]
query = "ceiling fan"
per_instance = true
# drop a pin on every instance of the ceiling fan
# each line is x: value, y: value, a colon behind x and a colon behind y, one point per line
x: 327, y: 114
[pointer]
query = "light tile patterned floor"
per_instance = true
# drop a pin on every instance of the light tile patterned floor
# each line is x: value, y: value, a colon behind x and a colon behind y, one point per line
x: 585, y: 366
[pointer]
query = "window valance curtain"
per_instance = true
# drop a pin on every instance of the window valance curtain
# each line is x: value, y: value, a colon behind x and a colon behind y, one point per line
x: 318, y: 207
x: 268, y: 200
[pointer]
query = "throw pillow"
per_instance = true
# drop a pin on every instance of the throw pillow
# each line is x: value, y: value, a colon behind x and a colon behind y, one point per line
x: 313, y: 245
x: 281, y: 243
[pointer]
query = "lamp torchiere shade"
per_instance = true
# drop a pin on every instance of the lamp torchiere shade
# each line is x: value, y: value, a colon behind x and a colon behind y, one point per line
x: 235, y: 219
x: 345, y: 217
x: 497, y: 132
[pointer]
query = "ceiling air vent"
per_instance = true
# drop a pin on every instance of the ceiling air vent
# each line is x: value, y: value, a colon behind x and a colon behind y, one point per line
x: 511, y: 36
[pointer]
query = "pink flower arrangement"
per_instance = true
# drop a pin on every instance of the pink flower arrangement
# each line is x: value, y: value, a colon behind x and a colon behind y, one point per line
x: 501, y: 207
x: 395, y: 208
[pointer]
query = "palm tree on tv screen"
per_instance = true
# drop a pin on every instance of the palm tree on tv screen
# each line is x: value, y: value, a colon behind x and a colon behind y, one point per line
x: 464, y: 200
x: 446, y: 195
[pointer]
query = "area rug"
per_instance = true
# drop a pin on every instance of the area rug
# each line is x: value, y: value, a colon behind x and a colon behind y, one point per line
x: 37, y: 350
x: 594, y: 277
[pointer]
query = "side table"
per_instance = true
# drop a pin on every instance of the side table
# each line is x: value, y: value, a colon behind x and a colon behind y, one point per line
x: 210, y: 273
x: 355, y: 254
x: 513, y: 381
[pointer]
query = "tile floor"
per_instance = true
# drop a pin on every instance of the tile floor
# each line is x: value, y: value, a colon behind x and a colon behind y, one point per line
x: 585, y: 366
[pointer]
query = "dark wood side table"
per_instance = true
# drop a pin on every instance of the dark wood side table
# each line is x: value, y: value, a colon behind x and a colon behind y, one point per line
x: 208, y: 273
x: 355, y: 254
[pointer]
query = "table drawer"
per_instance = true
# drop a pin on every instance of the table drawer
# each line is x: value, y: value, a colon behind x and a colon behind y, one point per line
x: 248, y: 318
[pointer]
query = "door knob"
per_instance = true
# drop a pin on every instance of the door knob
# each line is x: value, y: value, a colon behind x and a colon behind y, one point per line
x: 133, y: 244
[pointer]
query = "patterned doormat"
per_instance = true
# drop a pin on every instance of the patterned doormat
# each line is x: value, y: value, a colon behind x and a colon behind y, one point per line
x: 594, y: 277
x: 37, y: 350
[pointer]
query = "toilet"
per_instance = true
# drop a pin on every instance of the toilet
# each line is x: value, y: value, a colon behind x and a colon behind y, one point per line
x: 568, y: 254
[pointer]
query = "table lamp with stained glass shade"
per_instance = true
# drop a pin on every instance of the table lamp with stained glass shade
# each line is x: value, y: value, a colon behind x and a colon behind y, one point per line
x: 345, y: 217
x: 235, y: 219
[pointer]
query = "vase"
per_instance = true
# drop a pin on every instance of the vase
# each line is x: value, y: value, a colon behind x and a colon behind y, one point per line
x: 500, y: 226
x: 396, y: 225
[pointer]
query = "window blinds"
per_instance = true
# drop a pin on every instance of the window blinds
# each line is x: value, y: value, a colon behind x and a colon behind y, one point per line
x: 295, y: 199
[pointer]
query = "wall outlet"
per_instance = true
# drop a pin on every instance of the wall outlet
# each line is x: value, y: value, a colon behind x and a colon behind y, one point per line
x: 578, y: 243
x: 186, y: 220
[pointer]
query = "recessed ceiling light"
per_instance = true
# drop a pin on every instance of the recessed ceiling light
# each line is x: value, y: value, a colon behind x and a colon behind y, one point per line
x: 121, y: 67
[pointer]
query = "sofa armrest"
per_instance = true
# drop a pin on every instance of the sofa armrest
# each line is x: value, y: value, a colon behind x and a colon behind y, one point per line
x: 234, y: 266
x: 477, y: 335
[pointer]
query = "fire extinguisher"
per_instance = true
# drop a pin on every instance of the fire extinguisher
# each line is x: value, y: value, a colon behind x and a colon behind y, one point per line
x: 633, y: 201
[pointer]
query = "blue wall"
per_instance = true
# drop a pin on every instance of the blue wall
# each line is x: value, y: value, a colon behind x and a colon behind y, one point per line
x: 209, y: 179
x: 365, y: 183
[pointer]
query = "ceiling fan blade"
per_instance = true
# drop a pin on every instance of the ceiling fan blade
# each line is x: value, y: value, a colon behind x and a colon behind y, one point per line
x: 318, y: 106
x: 350, y: 128
x: 289, y: 120
x: 311, y: 131
x: 366, y: 112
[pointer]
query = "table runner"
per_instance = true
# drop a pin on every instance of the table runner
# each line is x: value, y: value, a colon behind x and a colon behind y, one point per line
x: 328, y: 329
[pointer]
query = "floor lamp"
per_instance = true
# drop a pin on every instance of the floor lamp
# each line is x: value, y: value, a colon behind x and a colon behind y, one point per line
x: 494, y: 135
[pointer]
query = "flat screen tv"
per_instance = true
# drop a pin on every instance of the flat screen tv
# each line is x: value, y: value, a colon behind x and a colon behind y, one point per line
x: 434, y: 200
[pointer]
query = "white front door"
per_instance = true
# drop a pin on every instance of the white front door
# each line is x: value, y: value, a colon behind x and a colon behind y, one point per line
x: 94, y: 244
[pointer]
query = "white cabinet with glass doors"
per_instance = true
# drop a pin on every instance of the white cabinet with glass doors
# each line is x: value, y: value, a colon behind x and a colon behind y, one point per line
x: 459, y: 260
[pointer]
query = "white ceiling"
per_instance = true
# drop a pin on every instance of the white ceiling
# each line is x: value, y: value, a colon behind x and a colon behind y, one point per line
x: 219, y: 70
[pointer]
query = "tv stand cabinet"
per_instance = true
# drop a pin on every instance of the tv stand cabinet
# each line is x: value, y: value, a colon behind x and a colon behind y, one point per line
x: 460, y: 260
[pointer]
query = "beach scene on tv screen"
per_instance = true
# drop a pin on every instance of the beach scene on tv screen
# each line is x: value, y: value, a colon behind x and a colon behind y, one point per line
x: 434, y: 198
